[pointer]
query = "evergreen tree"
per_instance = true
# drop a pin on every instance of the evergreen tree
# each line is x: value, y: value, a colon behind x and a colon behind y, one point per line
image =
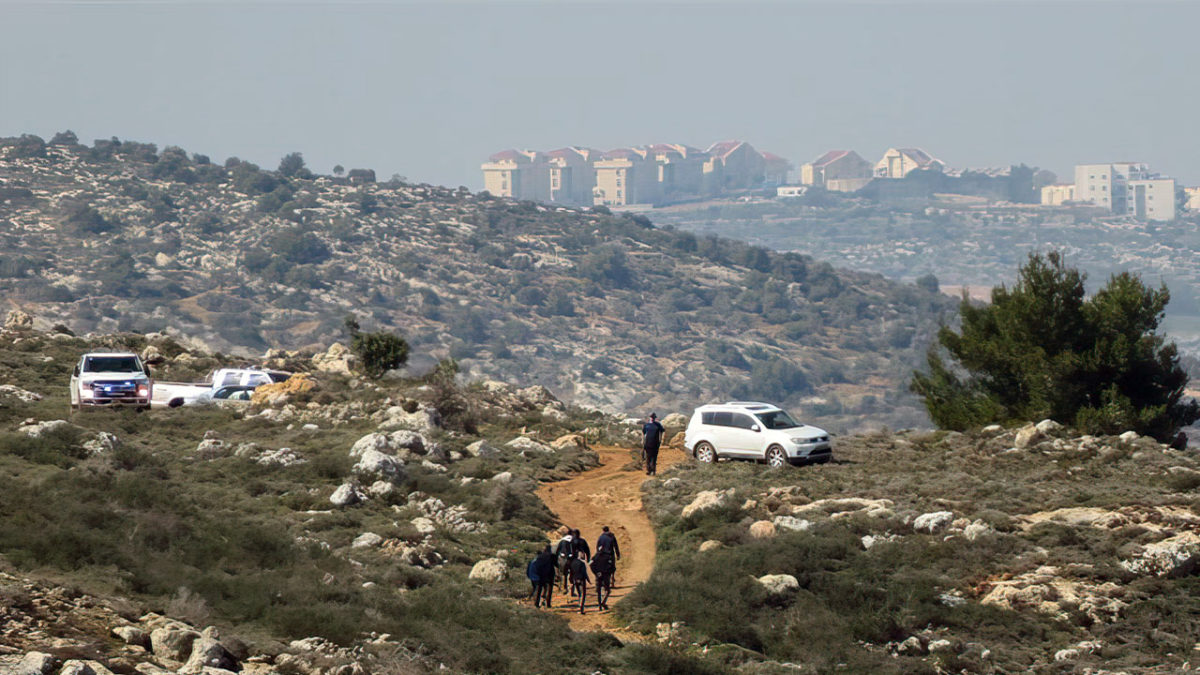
x: 1042, y: 349
x: 379, y: 352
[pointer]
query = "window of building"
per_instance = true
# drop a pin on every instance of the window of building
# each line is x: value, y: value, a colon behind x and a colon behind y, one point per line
x: 618, y: 194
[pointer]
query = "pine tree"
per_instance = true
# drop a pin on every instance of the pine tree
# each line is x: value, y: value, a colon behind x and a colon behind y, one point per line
x: 1042, y: 349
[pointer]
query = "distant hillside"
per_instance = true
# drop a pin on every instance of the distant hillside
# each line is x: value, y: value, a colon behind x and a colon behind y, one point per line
x: 607, y: 311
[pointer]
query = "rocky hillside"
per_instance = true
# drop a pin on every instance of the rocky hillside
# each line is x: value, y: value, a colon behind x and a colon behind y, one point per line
x: 1026, y: 550
x: 605, y: 310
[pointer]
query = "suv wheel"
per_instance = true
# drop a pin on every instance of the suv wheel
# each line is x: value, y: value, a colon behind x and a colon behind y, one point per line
x: 776, y: 457
x: 705, y: 453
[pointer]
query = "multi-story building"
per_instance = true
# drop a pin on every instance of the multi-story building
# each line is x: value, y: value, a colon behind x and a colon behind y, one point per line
x: 1191, y: 197
x: 1057, y: 195
x: 510, y: 174
x: 899, y: 162
x: 652, y: 174
x: 837, y: 170
x: 570, y: 176
x: 733, y: 165
x: 1126, y: 188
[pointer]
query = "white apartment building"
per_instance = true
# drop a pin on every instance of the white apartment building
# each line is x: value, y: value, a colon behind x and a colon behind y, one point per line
x: 1126, y: 188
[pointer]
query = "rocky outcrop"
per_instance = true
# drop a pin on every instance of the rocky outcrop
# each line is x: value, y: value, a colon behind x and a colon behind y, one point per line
x: 347, y: 494
x: 779, y: 585
x: 708, y: 499
x: 337, y: 359
x: 489, y: 569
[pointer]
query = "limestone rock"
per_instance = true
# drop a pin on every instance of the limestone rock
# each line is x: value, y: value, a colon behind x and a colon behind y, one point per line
x: 39, y: 429
x: 347, y: 494
x: 35, y: 663
x: 375, y: 463
x: 992, y: 429
x: 212, y: 448
x: 283, y: 457
x: 424, y: 420
x: 528, y: 446
x: 932, y: 522
x: 1048, y: 427
x: 710, y: 545
x: 1164, y: 557
x: 939, y: 646
x: 792, y: 523
x: 675, y: 421
x: 8, y: 390
x: 79, y: 667
x: 18, y: 320
x: 336, y: 359
x: 482, y: 448
x: 779, y: 584
x: 424, y: 525
x: 279, y: 393
x: 132, y: 635
x: 173, y: 640
x: 207, y: 653
x: 366, y: 540
x: 762, y: 529
x: 1027, y: 436
x: 381, y: 488
x: 490, y: 569
x: 1129, y: 437
x: 503, y: 478
x: 707, y: 499
x: 569, y: 442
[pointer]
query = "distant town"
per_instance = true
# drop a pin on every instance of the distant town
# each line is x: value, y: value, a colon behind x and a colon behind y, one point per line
x: 666, y: 173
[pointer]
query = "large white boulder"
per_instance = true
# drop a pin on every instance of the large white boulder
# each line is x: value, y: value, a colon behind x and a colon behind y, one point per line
x: 35, y: 663
x: 173, y: 640
x: 762, y: 529
x: 482, y: 448
x: 792, y: 524
x: 489, y: 569
x: 528, y: 446
x: 347, y: 494
x: 779, y: 584
x: 707, y: 499
x: 932, y: 522
x: 375, y: 463
x: 208, y: 653
x: 366, y: 540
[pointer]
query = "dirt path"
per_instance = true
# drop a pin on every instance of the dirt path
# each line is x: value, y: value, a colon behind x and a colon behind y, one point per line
x: 608, y: 495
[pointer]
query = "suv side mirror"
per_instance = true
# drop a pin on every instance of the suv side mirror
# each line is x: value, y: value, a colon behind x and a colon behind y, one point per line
x: 76, y: 371
x: 755, y: 428
x: 146, y: 370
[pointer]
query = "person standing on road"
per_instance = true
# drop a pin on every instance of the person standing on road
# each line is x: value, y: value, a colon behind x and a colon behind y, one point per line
x: 607, y: 541
x: 565, y: 551
x: 603, y: 566
x: 578, y: 572
x: 543, y: 568
x: 652, y: 433
x: 581, y: 545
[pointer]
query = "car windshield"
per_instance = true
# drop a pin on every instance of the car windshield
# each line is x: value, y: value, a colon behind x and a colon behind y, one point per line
x: 777, y: 419
x: 111, y: 364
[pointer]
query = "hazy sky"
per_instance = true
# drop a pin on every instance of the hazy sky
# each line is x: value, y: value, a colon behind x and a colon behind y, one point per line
x: 428, y: 90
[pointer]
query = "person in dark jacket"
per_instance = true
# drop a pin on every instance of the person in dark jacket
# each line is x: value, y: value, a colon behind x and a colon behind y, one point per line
x: 603, y: 566
x: 607, y: 541
x: 578, y: 571
x: 652, y: 433
x: 544, y: 566
x: 581, y: 545
x: 565, y: 552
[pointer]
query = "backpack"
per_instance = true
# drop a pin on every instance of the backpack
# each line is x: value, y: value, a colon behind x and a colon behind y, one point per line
x: 531, y: 571
x: 566, y: 548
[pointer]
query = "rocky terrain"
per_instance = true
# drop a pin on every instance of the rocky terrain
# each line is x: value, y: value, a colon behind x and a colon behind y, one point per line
x: 607, y: 311
x: 343, y: 526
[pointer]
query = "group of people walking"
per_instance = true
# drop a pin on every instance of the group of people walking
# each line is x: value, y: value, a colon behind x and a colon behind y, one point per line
x: 567, y: 565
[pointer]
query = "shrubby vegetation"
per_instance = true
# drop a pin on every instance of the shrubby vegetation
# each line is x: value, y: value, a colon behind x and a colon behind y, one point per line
x: 1044, y: 350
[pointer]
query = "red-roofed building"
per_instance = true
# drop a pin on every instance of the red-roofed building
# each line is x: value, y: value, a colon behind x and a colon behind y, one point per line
x: 510, y: 173
x: 775, y: 169
x: 899, y: 162
x: 837, y: 170
x: 732, y: 165
x: 625, y: 176
x: 570, y: 175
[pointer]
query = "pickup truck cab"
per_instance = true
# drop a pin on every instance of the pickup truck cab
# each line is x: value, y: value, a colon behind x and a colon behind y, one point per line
x: 111, y: 379
x: 175, y: 394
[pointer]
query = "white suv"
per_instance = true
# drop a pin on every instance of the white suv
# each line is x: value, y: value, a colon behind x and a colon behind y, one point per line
x: 751, y: 430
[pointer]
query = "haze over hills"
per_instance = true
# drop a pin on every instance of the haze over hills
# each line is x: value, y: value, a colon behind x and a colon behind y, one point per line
x: 608, y: 311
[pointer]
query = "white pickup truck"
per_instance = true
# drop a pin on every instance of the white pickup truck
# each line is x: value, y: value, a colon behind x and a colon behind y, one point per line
x: 175, y: 394
x: 111, y: 379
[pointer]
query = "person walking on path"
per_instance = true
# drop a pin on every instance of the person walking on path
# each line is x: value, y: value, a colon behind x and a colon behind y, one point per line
x: 578, y: 572
x: 581, y: 545
x: 652, y: 433
x: 603, y: 566
x: 543, y: 567
x: 565, y: 551
x: 607, y: 541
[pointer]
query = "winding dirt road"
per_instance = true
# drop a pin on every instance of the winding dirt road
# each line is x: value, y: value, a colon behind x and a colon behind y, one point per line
x: 609, y: 494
